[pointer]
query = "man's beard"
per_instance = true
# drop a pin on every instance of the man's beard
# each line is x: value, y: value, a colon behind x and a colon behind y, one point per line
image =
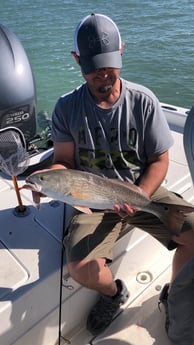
x: 104, y: 89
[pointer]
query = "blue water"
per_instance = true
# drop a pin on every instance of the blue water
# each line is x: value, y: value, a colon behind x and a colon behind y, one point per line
x: 159, y: 38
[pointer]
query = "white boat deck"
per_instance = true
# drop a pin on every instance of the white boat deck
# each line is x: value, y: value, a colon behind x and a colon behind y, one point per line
x: 30, y: 258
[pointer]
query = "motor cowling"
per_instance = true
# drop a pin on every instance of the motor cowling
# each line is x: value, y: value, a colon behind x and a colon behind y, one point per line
x: 17, y: 86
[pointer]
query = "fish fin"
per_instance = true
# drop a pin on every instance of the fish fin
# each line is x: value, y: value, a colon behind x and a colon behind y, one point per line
x: 37, y: 205
x: 83, y: 209
x: 173, y: 216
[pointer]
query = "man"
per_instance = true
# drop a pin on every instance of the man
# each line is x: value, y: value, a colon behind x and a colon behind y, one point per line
x: 114, y: 128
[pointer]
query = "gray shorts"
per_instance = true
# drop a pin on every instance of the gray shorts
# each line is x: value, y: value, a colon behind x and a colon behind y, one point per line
x: 93, y: 236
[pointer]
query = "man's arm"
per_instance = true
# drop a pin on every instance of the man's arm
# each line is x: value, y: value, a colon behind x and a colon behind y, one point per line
x: 64, y: 155
x: 155, y: 173
x: 150, y: 180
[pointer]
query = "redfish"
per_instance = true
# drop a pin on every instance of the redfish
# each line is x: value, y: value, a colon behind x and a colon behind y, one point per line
x: 80, y: 188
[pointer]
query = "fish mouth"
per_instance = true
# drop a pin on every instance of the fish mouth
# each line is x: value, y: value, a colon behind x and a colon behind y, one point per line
x: 32, y: 186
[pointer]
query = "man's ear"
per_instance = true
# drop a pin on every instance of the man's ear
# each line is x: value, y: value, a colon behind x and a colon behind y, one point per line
x: 122, y: 46
x: 76, y: 57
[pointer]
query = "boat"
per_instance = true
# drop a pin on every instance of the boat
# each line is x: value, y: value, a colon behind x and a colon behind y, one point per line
x: 39, y: 302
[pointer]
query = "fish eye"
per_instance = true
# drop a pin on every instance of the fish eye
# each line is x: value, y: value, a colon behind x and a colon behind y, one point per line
x: 41, y: 178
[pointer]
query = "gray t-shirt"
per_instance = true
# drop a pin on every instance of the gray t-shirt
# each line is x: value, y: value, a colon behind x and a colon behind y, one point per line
x: 113, y: 142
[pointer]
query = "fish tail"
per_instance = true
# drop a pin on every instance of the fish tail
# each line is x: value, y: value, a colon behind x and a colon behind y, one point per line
x: 173, y: 216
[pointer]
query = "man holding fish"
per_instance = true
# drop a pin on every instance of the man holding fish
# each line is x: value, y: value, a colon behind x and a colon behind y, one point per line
x: 114, y: 129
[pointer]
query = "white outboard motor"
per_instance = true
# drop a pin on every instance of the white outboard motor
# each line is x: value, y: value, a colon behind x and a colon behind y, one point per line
x: 17, y: 87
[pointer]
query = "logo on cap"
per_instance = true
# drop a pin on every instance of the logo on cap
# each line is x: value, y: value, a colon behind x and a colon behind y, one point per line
x: 104, y: 39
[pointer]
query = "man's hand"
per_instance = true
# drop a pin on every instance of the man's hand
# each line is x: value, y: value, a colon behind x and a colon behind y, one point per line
x: 124, y: 211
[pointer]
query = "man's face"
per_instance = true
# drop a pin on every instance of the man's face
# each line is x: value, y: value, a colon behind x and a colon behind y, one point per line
x: 102, y: 80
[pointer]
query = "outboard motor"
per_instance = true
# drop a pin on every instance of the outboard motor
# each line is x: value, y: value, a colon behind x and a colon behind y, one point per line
x: 17, y: 87
x: 18, y: 101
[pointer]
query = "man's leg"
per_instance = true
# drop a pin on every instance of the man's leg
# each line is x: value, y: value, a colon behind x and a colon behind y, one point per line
x: 183, y: 253
x: 94, y: 274
x: 89, y: 246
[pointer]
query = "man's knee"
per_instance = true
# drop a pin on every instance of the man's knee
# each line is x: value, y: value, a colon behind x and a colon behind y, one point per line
x: 85, y: 270
x: 75, y: 269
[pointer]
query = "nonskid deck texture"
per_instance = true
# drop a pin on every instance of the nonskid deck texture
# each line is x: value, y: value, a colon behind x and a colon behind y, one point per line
x: 30, y: 274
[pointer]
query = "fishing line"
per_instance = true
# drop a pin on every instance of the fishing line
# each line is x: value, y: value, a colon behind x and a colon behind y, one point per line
x: 61, y: 274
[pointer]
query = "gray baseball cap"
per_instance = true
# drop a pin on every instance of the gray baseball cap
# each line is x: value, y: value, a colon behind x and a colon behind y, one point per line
x: 97, y: 42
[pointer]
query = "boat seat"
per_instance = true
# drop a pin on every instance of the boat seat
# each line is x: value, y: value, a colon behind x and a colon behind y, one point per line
x: 188, y: 140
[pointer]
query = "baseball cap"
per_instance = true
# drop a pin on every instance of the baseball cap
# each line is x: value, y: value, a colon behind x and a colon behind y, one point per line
x: 97, y: 42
